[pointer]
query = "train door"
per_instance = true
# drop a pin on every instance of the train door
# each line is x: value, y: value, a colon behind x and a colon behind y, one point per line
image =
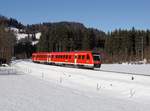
x: 75, y: 59
x: 35, y: 57
x: 49, y: 58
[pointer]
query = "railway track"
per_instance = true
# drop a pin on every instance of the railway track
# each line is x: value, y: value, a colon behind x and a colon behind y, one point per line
x: 129, y: 73
x: 119, y: 72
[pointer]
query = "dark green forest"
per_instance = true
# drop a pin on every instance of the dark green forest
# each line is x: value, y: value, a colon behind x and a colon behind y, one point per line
x: 120, y: 45
x: 7, y: 42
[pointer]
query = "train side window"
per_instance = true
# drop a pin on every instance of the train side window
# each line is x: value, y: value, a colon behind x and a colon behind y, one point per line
x: 87, y: 57
x: 69, y: 56
x: 75, y: 56
x: 66, y: 56
x: 79, y: 57
x: 83, y: 57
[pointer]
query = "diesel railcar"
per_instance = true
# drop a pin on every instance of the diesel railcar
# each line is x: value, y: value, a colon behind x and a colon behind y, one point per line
x: 86, y: 59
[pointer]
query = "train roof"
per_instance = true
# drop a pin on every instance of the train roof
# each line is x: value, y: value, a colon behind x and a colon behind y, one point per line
x: 65, y: 52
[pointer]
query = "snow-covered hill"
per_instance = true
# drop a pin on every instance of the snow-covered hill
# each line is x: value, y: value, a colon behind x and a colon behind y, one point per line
x: 21, y: 35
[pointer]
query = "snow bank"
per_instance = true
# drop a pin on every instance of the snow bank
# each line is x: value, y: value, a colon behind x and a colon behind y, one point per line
x: 7, y: 70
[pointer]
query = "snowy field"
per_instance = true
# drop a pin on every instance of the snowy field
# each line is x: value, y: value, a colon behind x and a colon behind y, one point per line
x: 128, y: 68
x: 27, y: 86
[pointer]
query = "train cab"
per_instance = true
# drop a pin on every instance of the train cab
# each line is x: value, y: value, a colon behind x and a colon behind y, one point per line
x: 96, y: 60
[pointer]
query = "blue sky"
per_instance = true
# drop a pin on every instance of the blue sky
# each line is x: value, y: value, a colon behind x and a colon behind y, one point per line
x: 105, y: 15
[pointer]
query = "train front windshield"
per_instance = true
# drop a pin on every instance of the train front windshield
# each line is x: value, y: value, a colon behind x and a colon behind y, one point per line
x: 97, y: 60
x: 96, y: 57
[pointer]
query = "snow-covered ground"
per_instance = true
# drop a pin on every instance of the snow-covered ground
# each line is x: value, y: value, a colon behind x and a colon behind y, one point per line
x: 38, y: 87
x: 20, y: 36
x: 128, y: 68
x: 24, y: 35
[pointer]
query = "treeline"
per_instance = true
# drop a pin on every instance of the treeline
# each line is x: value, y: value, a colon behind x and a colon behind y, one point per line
x: 116, y: 46
x: 7, y: 42
x: 69, y: 36
x: 24, y: 49
x: 128, y: 45
x: 10, y: 22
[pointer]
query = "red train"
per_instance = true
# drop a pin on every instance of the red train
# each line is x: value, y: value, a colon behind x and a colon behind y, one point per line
x: 86, y: 59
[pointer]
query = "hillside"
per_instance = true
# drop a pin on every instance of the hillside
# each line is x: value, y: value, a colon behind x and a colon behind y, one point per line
x: 10, y: 22
x: 120, y: 45
x: 60, y: 36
